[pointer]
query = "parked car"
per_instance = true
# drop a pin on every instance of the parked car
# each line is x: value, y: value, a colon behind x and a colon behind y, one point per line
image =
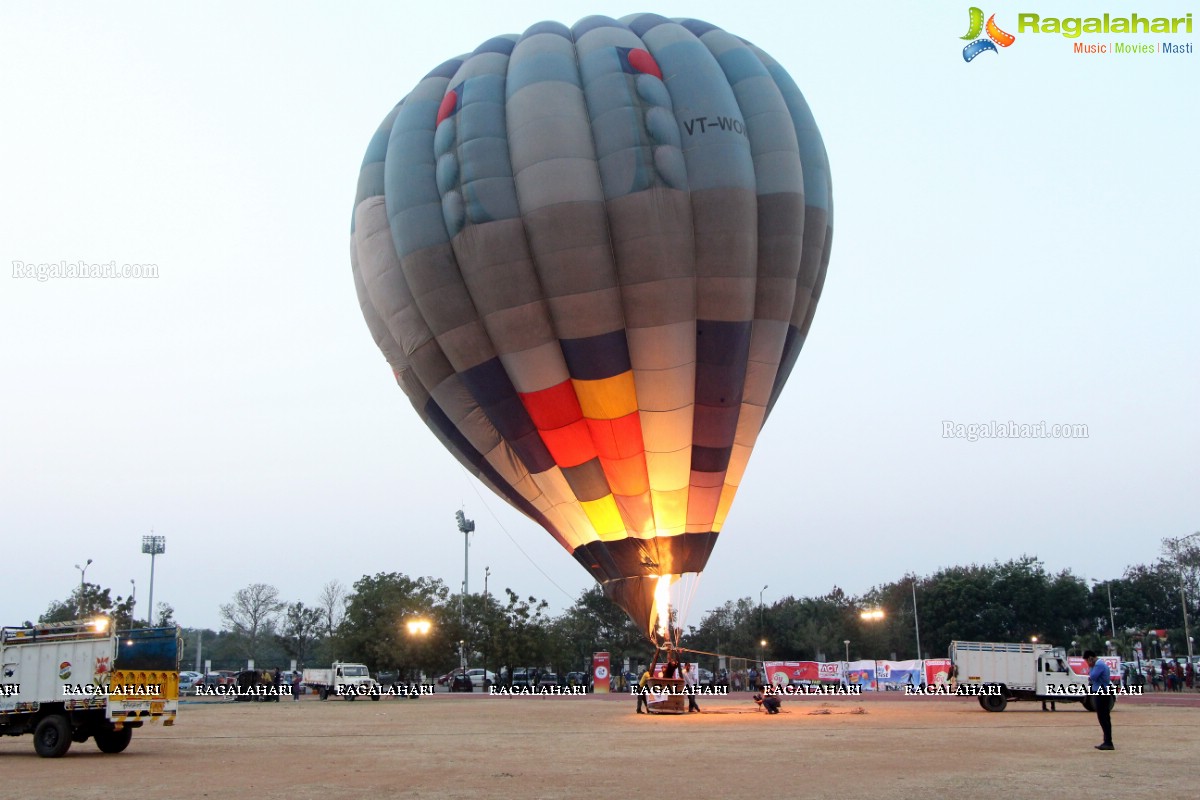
x: 520, y: 678
x: 481, y: 678
x: 220, y: 677
x: 188, y: 681
x: 579, y: 679
x: 547, y: 679
x: 461, y: 682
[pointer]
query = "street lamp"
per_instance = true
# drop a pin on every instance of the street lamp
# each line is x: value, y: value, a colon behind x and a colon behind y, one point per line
x: 132, y: 601
x: 760, y: 608
x: 82, y: 573
x: 418, y: 627
x: 153, y: 546
x: 872, y: 615
x: 762, y: 663
x: 847, y: 643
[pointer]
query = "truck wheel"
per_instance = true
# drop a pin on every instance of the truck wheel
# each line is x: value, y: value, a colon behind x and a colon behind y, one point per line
x: 111, y: 741
x: 348, y: 696
x: 323, y: 692
x: 375, y: 696
x: 52, y: 737
x: 993, y: 702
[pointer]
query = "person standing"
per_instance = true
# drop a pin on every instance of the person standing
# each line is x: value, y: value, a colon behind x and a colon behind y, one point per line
x: 642, y: 687
x: 1100, y: 684
x: 296, y: 686
x: 691, y: 683
x: 672, y: 667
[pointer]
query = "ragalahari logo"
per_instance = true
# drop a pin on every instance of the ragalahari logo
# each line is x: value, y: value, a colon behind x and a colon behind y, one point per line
x: 995, y: 36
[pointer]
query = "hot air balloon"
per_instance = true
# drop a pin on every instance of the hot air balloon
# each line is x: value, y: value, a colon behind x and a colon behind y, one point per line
x: 591, y: 256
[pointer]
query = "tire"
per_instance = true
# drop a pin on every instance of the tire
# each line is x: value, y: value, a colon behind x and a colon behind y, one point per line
x: 323, y: 693
x: 375, y: 697
x: 112, y: 741
x: 993, y: 702
x: 52, y: 737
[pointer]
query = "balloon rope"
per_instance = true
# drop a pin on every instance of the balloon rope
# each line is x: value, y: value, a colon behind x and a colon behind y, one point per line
x: 717, y: 655
x: 511, y: 539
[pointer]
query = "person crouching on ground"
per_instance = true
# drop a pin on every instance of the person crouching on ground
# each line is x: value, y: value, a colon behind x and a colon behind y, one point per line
x: 770, y: 702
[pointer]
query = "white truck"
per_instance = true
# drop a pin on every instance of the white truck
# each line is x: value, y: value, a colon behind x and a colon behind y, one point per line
x: 1018, y: 671
x: 345, y: 679
x: 67, y: 682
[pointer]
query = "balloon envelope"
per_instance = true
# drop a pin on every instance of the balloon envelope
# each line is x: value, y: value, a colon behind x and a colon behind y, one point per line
x: 591, y: 256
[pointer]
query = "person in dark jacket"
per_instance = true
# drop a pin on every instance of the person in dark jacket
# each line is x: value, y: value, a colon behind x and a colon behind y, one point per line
x: 1100, y: 684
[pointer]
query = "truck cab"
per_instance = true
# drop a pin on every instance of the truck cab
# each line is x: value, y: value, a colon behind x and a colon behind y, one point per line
x: 1056, y: 680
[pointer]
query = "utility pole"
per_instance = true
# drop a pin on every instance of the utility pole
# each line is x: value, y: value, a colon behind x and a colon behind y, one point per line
x: 916, y: 621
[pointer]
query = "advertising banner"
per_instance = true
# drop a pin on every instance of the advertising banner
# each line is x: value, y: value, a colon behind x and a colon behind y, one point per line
x: 1080, y: 667
x: 792, y: 673
x: 892, y: 676
x: 601, y: 672
x: 937, y: 671
x: 830, y: 671
x: 861, y: 673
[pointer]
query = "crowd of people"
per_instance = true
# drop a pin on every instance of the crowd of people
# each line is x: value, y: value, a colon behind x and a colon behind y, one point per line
x: 1173, y: 676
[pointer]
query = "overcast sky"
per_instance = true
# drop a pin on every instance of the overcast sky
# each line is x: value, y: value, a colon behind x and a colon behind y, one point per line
x: 1015, y: 240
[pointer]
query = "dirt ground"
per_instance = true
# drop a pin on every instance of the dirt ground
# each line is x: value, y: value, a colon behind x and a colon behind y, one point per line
x: 478, y: 747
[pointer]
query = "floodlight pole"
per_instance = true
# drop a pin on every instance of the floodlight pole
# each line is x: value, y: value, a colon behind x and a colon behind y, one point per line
x: 153, y: 546
x: 466, y: 527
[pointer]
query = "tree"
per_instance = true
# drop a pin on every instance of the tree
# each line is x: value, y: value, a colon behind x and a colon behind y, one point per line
x: 332, y: 605
x: 522, y: 634
x: 300, y: 628
x: 89, y: 600
x: 592, y: 624
x: 251, y: 616
x: 374, y: 631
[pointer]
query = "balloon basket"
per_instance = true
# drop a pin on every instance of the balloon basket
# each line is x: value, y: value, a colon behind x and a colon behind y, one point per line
x: 665, y: 696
